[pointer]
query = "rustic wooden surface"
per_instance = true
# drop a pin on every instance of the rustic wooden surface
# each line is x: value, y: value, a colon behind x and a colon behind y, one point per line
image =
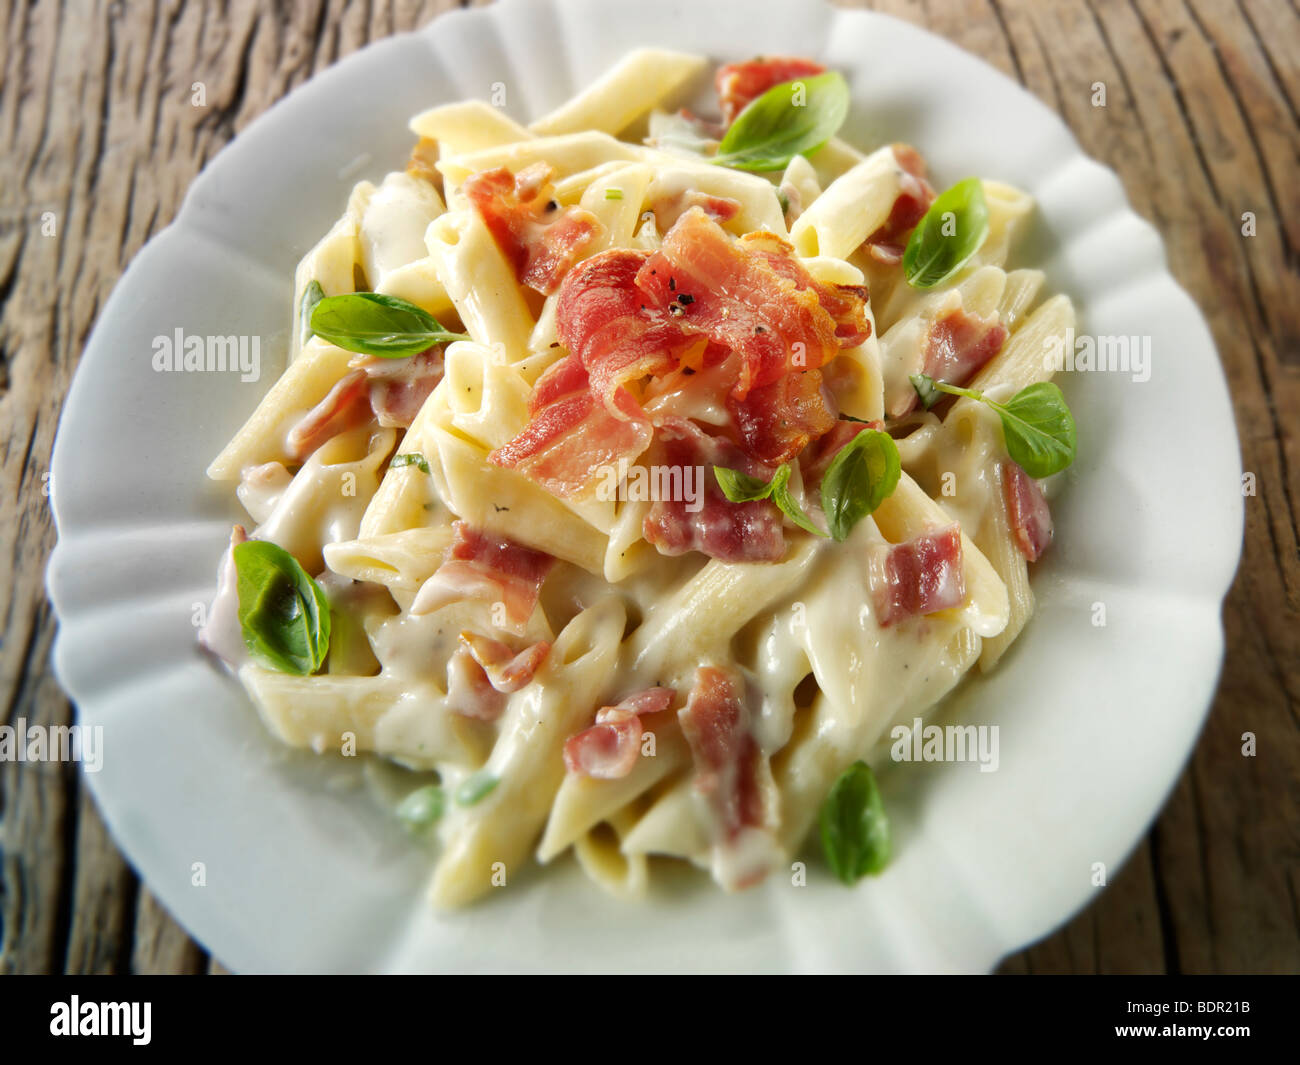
x: 1201, y: 123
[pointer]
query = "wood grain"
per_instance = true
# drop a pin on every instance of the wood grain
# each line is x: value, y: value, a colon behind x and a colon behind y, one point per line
x: 1202, y: 123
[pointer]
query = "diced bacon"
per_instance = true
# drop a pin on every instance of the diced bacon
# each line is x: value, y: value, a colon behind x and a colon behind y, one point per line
x: 708, y: 283
x: 670, y: 208
x: 960, y: 343
x: 915, y: 195
x: 1028, y: 514
x: 716, y: 722
x: 399, y: 387
x: 506, y: 671
x: 776, y: 421
x: 732, y: 532
x: 469, y: 692
x: 609, y: 749
x: 482, y: 566
x: 345, y: 406
x: 920, y: 576
x: 739, y: 84
x: 540, y: 239
x: 223, y: 635
x: 573, y: 435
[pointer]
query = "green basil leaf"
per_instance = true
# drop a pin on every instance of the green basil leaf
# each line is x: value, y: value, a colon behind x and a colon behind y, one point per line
x: 421, y: 807
x: 374, y: 324
x: 741, y: 487
x: 950, y: 233
x: 787, y: 120
x: 1039, y: 429
x: 311, y: 296
x: 788, y: 504
x: 475, y: 788
x: 410, y: 458
x: 859, y: 479
x: 284, y: 615
x: 925, y: 388
x: 854, y: 828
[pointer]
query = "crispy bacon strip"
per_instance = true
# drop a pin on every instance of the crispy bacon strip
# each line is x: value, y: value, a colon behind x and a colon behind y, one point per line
x: 846, y: 304
x: 571, y: 434
x: 482, y: 566
x: 918, y: 577
x: 716, y: 722
x: 775, y: 422
x: 915, y: 195
x: 609, y: 749
x: 539, y: 238
x: 712, y: 287
x: 739, y: 84
x: 1027, y: 511
x: 732, y: 532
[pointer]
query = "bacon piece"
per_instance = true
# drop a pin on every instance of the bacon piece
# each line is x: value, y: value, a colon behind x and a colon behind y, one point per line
x: 918, y: 577
x: 732, y: 532
x: 716, y: 722
x: 345, y: 406
x: 668, y: 209
x: 399, y: 387
x: 469, y: 692
x: 614, y: 330
x: 506, y: 671
x: 915, y: 195
x: 539, y: 238
x: 776, y: 421
x: 960, y: 343
x: 609, y: 749
x: 712, y: 287
x: 1027, y: 511
x: 480, y: 565
x: 739, y: 84
x: 846, y: 304
x: 572, y: 435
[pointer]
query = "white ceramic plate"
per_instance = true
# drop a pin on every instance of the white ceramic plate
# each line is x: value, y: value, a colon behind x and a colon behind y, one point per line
x: 303, y: 873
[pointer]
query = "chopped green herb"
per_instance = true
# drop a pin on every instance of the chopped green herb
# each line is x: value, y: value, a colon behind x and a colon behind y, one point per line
x: 421, y: 807
x: 410, y: 458
x: 474, y: 788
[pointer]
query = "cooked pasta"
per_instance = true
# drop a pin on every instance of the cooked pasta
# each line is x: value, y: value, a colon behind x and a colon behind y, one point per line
x: 607, y: 538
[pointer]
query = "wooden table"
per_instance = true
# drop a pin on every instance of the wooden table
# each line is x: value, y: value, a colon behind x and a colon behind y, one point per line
x: 1200, y: 122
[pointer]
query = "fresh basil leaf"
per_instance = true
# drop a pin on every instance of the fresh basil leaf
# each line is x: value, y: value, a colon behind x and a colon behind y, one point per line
x: 859, y: 479
x: 950, y: 233
x: 410, y: 458
x: 475, y: 788
x: 311, y: 296
x: 374, y: 324
x: 284, y: 615
x: 1039, y: 429
x: 854, y: 828
x: 925, y: 388
x: 741, y: 487
x: 787, y: 503
x: 776, y: 127
x: 421, y: 807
